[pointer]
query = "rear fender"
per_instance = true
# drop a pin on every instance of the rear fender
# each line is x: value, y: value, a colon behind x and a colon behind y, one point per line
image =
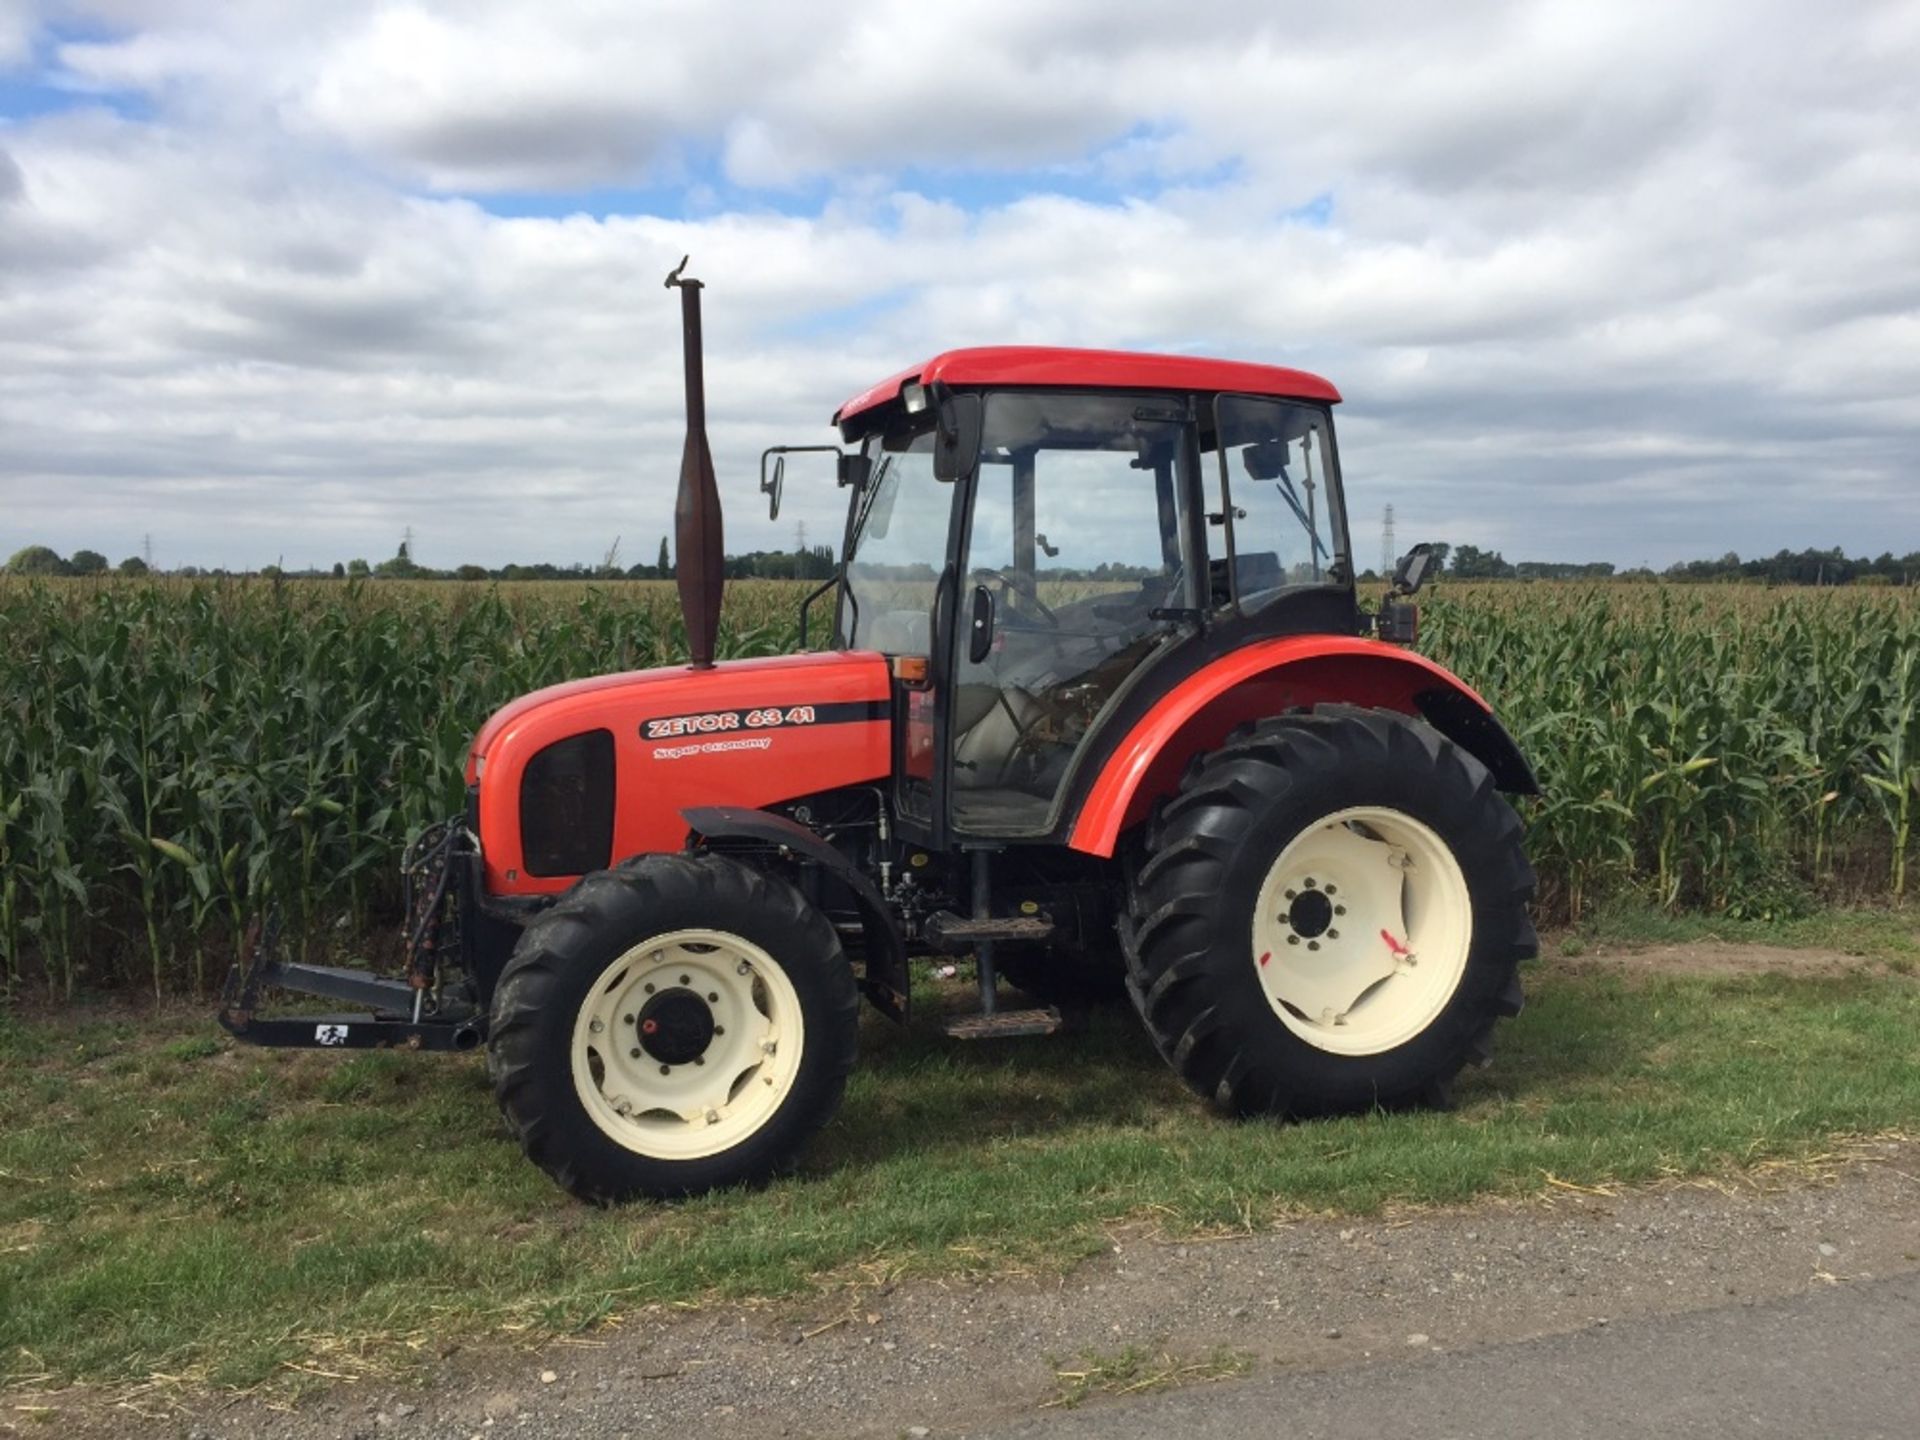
x: 886, y: 982
x: 1269, y: 679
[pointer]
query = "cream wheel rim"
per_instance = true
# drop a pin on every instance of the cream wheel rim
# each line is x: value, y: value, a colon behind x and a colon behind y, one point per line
x: 662, y: 1082
x: 1361, y: 930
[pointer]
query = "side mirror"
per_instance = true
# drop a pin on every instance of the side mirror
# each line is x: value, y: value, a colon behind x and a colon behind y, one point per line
x: 956, y: 446
x: 1411, y: 573
x: 771, y: 487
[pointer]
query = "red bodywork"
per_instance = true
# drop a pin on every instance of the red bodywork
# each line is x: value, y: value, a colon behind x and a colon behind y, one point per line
x: 1095, y: 370
x: 741, y: 764
x: 851, y: 743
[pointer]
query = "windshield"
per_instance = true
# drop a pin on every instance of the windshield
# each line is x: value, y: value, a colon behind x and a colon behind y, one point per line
x: 897, y: 549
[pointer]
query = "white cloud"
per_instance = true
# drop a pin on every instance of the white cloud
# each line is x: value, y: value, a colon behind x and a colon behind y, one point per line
x: 1625, y: 281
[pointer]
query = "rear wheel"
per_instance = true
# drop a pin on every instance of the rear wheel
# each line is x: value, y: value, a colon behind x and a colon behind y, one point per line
x: 1329, y: 916
x: 672, y: 1025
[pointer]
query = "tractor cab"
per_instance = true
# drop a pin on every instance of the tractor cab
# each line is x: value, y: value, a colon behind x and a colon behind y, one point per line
x: 1037, y: 536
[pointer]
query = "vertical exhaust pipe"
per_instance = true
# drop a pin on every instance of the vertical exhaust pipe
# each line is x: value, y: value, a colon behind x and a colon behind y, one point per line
x: 699, y: 557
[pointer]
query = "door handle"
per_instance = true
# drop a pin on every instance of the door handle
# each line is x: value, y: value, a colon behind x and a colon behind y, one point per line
x: 980, y: 627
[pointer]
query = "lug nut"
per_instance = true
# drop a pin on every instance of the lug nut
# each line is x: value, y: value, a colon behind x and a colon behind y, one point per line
x: 1339, y: 909
x: 686, y: 979
x: 666, y: 1069
x: 635, y: 1052
x: 1308, y: 882
x: 1333, y: 934
x: 1333, y: 889
x: 713, y: 997
x: 1291, y: 894
x: 649, y: 987
x: 719, y: 1029
x: 1293, y: 939
x: 1313, y: 944
x: 596, y: 1027
x: 743, y: 969
x: 626, y: 1019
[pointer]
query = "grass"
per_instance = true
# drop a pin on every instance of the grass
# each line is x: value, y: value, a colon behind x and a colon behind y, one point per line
x: 171, y: 1204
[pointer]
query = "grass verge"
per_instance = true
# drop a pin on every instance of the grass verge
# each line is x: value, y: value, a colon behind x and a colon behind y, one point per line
x: 174, y: 1205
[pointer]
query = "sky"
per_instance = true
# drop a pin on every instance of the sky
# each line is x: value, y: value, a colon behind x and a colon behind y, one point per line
x: 285, y: 280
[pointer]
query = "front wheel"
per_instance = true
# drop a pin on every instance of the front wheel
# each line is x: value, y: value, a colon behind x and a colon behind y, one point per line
x: 1329, y: 916
x: 673, y: 1025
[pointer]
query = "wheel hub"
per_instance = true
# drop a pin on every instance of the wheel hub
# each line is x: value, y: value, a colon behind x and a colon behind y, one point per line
x: 1310, y: 914
x: 675, y: 1026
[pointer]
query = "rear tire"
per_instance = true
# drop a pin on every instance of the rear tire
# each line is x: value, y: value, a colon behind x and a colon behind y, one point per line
x: 673, y: 1025
x: 1236, y: 955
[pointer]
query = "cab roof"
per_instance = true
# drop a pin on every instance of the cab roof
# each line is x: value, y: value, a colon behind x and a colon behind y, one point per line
x: 1096, y: 369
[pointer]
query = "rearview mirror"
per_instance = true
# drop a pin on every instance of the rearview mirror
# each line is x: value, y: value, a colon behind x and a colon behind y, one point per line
x: 1411, y: 573
x: 961, y: 420
x: 771, y: 488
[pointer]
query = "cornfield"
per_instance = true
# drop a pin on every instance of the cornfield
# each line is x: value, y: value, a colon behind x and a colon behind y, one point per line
x: 175, y: 757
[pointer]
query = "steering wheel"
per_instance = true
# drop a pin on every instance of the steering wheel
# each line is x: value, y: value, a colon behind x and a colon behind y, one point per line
x: 1020, y: 604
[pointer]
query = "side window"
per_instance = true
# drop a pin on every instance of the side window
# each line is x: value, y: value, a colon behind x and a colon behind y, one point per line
x: 899, y: 546
x: 1276, y: 475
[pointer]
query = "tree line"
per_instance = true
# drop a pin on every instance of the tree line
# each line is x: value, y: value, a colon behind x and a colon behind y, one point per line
x: 816, y: 562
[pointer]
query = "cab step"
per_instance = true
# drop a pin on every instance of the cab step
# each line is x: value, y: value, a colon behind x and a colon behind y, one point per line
x: 957, y: 934
x: 1004, y: 1024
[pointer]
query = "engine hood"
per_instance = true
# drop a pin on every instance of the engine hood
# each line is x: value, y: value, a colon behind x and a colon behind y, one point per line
x: 746, y: 732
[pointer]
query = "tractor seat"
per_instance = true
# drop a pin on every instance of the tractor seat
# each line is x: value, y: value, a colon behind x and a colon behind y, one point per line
x: 986, y: 733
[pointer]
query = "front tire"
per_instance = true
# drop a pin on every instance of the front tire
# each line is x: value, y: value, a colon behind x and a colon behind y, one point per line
x: 673, y: 1025
x: 1330, y: 916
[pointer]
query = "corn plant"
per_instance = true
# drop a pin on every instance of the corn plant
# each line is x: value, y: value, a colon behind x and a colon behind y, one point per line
x: 177, y: 756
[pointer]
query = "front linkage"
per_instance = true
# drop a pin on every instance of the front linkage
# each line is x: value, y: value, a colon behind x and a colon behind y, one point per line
x: 417, y: 1013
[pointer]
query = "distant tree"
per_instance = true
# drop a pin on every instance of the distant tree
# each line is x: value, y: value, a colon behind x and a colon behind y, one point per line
x: 87, y: 562
x: 272, y: 572
x: 1441, y: 550
x: 1470, y: 562
x: 339, y: 571
x: 36, y: 560
x: 471, y: 572
x: 358, y: 569
x: 400, y: 567
x: 664, y: 568
x: 133, y: 567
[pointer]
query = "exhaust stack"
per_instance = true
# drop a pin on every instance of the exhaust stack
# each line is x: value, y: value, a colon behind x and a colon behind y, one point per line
x: 699, y: 557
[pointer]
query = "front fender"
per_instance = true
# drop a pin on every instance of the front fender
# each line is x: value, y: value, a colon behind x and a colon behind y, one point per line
x: 1271, y: 678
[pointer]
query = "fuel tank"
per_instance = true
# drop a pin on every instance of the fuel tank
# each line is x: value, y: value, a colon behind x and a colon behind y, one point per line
x: 577, y: 776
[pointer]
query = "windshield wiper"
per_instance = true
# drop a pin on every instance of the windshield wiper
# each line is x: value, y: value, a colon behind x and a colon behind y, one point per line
x: 1287, y: 493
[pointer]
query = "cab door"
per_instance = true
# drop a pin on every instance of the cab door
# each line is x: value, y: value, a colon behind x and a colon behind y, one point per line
x: 1073, y: 576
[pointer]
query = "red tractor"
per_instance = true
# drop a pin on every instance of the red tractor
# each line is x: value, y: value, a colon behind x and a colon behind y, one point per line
x: 1100, y: 709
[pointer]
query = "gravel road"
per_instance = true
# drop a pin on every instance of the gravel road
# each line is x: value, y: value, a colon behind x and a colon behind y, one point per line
x: 1834, y: 1363
x: 1314, y: 1298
